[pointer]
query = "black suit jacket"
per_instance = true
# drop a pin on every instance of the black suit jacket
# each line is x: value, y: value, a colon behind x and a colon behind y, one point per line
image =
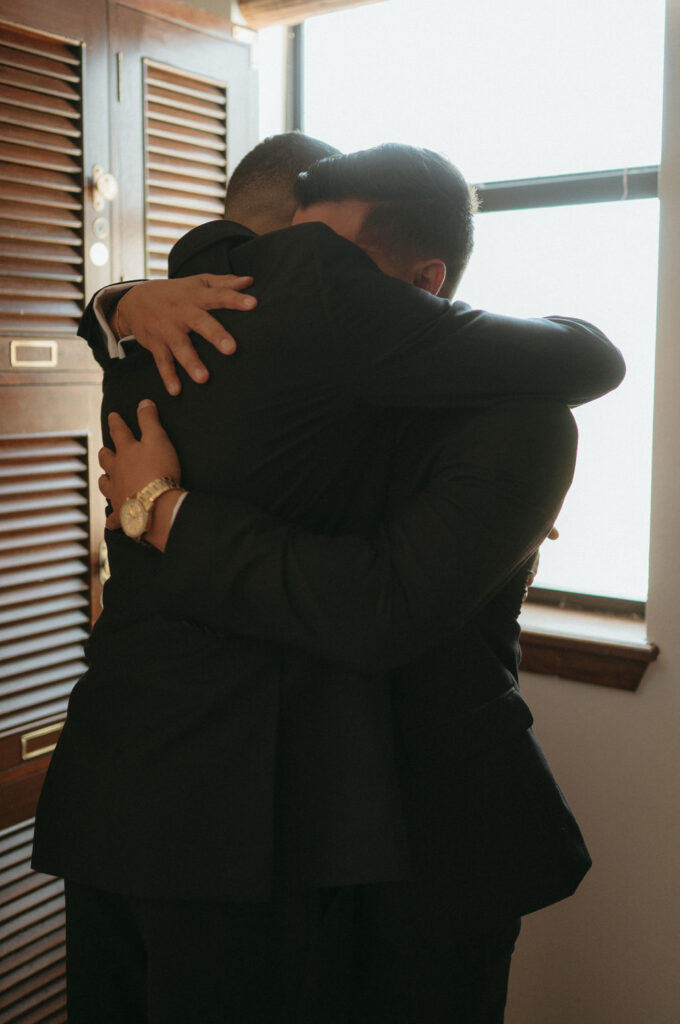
x: 163, y: 783
x: 434, y: 594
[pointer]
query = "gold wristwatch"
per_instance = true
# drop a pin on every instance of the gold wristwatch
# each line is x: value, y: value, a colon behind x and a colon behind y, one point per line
x: 135, y: 512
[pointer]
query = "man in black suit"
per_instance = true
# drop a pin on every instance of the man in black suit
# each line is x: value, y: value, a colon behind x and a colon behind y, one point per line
x: 203, y: 755
x: 489, y: 835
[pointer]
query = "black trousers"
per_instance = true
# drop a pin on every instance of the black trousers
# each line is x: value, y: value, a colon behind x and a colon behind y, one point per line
x: 417, y: 962
x: 337, y: 956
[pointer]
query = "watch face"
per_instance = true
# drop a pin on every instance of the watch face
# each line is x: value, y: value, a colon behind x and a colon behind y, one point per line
x: 133, y: 517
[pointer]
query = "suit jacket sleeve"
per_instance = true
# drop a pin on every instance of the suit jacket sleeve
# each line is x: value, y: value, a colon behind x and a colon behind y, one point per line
x: 396, y: 345
x: 410, y: 349
x: 90, y: 329
x: 470, y: 357
x: 377, y: 602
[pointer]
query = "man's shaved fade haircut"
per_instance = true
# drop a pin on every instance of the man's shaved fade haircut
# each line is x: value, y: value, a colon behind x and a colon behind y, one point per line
x: 261, y: 186
x: 422, y: 207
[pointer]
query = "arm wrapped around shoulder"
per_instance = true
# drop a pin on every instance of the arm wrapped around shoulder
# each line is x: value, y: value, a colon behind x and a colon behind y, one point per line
x: 494, y: 488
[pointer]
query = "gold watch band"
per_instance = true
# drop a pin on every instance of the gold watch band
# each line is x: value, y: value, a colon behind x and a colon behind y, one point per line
x: 153, y: 490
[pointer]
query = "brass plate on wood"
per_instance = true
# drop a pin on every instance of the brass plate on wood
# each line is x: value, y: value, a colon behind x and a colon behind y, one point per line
x: 40, y: 741
x: 33, y: 354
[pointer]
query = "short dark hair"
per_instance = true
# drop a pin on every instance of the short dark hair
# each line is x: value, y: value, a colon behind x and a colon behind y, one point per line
x: 265, y: 178
x: 422, y: 205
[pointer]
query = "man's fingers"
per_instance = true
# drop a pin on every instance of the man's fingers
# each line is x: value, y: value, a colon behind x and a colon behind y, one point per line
x: 105, y: 484
x: 184, y: 352
x: 113, y: 521
x: 554, y: 534
x: 165, y: 365
x: 147, y: 417
x: 210, y: 329
x: 229, y: 298
x: 119, y: 430
x: 106, y: 459
x: 235, y: 282
x: 223, y: 291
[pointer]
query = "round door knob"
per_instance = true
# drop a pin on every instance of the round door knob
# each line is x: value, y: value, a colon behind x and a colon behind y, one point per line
x: 105, y: 185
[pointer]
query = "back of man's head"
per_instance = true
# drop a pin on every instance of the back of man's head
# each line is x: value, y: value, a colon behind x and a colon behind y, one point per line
x: 421, y: 206
x: 260, y: 191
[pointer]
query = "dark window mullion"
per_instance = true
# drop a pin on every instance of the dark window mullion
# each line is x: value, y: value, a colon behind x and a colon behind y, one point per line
x: 569, y: 189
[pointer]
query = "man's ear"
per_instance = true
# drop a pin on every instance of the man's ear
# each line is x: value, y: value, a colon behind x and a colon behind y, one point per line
x: 429, y: 275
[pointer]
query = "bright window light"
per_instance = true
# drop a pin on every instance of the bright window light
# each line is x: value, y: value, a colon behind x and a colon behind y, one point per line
x: 505, y: 90
x: 270, y: 59
x: 597, y: 261
x: 519, y: 91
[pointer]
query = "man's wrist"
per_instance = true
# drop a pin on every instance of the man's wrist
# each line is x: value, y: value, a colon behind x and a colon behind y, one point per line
x: 105, y: 305
x: 163, y: 516
x: 118, y: 323
x: 114, y: 322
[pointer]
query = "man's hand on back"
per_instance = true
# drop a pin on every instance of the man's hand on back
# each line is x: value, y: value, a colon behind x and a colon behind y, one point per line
x: 161, y: 315
x: 134, y: 464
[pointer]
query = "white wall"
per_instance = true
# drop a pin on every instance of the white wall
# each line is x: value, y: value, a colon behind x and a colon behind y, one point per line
x: 611, y: 954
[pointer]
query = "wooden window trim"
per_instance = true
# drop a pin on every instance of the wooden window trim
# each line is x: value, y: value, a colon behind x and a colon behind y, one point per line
x: 585, y: 646
x: 183, y: 14
x: 263, y: 13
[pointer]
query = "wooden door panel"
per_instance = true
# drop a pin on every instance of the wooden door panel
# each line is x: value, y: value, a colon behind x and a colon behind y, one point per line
x: 185, y: 141
x: 181, y: 109
x: 50, y: 520
x: 41, y: 216
x: 49, y: 568
x: 183, y: 112
x: 32, y: 968
x: 53, y: 89
x: 189, y: 98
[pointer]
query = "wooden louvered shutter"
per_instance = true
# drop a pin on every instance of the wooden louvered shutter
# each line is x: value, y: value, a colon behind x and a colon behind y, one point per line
x: 185, y: 130
x: 50, y: 521
x: 32, y: 968
x: 44, y: 603
x: 41, y: 184
x: 49, y: 384
x: 54, y: 128
x: 188, y: 94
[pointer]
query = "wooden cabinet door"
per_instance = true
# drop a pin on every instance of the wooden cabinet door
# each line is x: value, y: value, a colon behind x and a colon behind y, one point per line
x: 53, y: 89
x: 179, y: 104
x: 49, y: 387
x: 186, y: 101
x: 85, y: 89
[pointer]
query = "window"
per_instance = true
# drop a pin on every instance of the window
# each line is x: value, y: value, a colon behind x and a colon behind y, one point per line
x: 563, y: 106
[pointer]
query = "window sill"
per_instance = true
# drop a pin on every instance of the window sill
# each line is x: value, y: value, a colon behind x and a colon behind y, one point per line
x: 587, y: 647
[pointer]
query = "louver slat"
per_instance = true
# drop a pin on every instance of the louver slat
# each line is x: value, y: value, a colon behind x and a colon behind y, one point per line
x: 48, y: 66
x: 44, y: 575
x: 39, y: 45
x: 41, y: 184
x: 20, y: 135
x: 49, y: 623
x: 57, y: 186
x: 42, y: 82
x: 58, y: 604
x: 186, y: 157
x: 32, y: 968
x: 168, y: 170
x: 14, y: 596
x: 32, y: 547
